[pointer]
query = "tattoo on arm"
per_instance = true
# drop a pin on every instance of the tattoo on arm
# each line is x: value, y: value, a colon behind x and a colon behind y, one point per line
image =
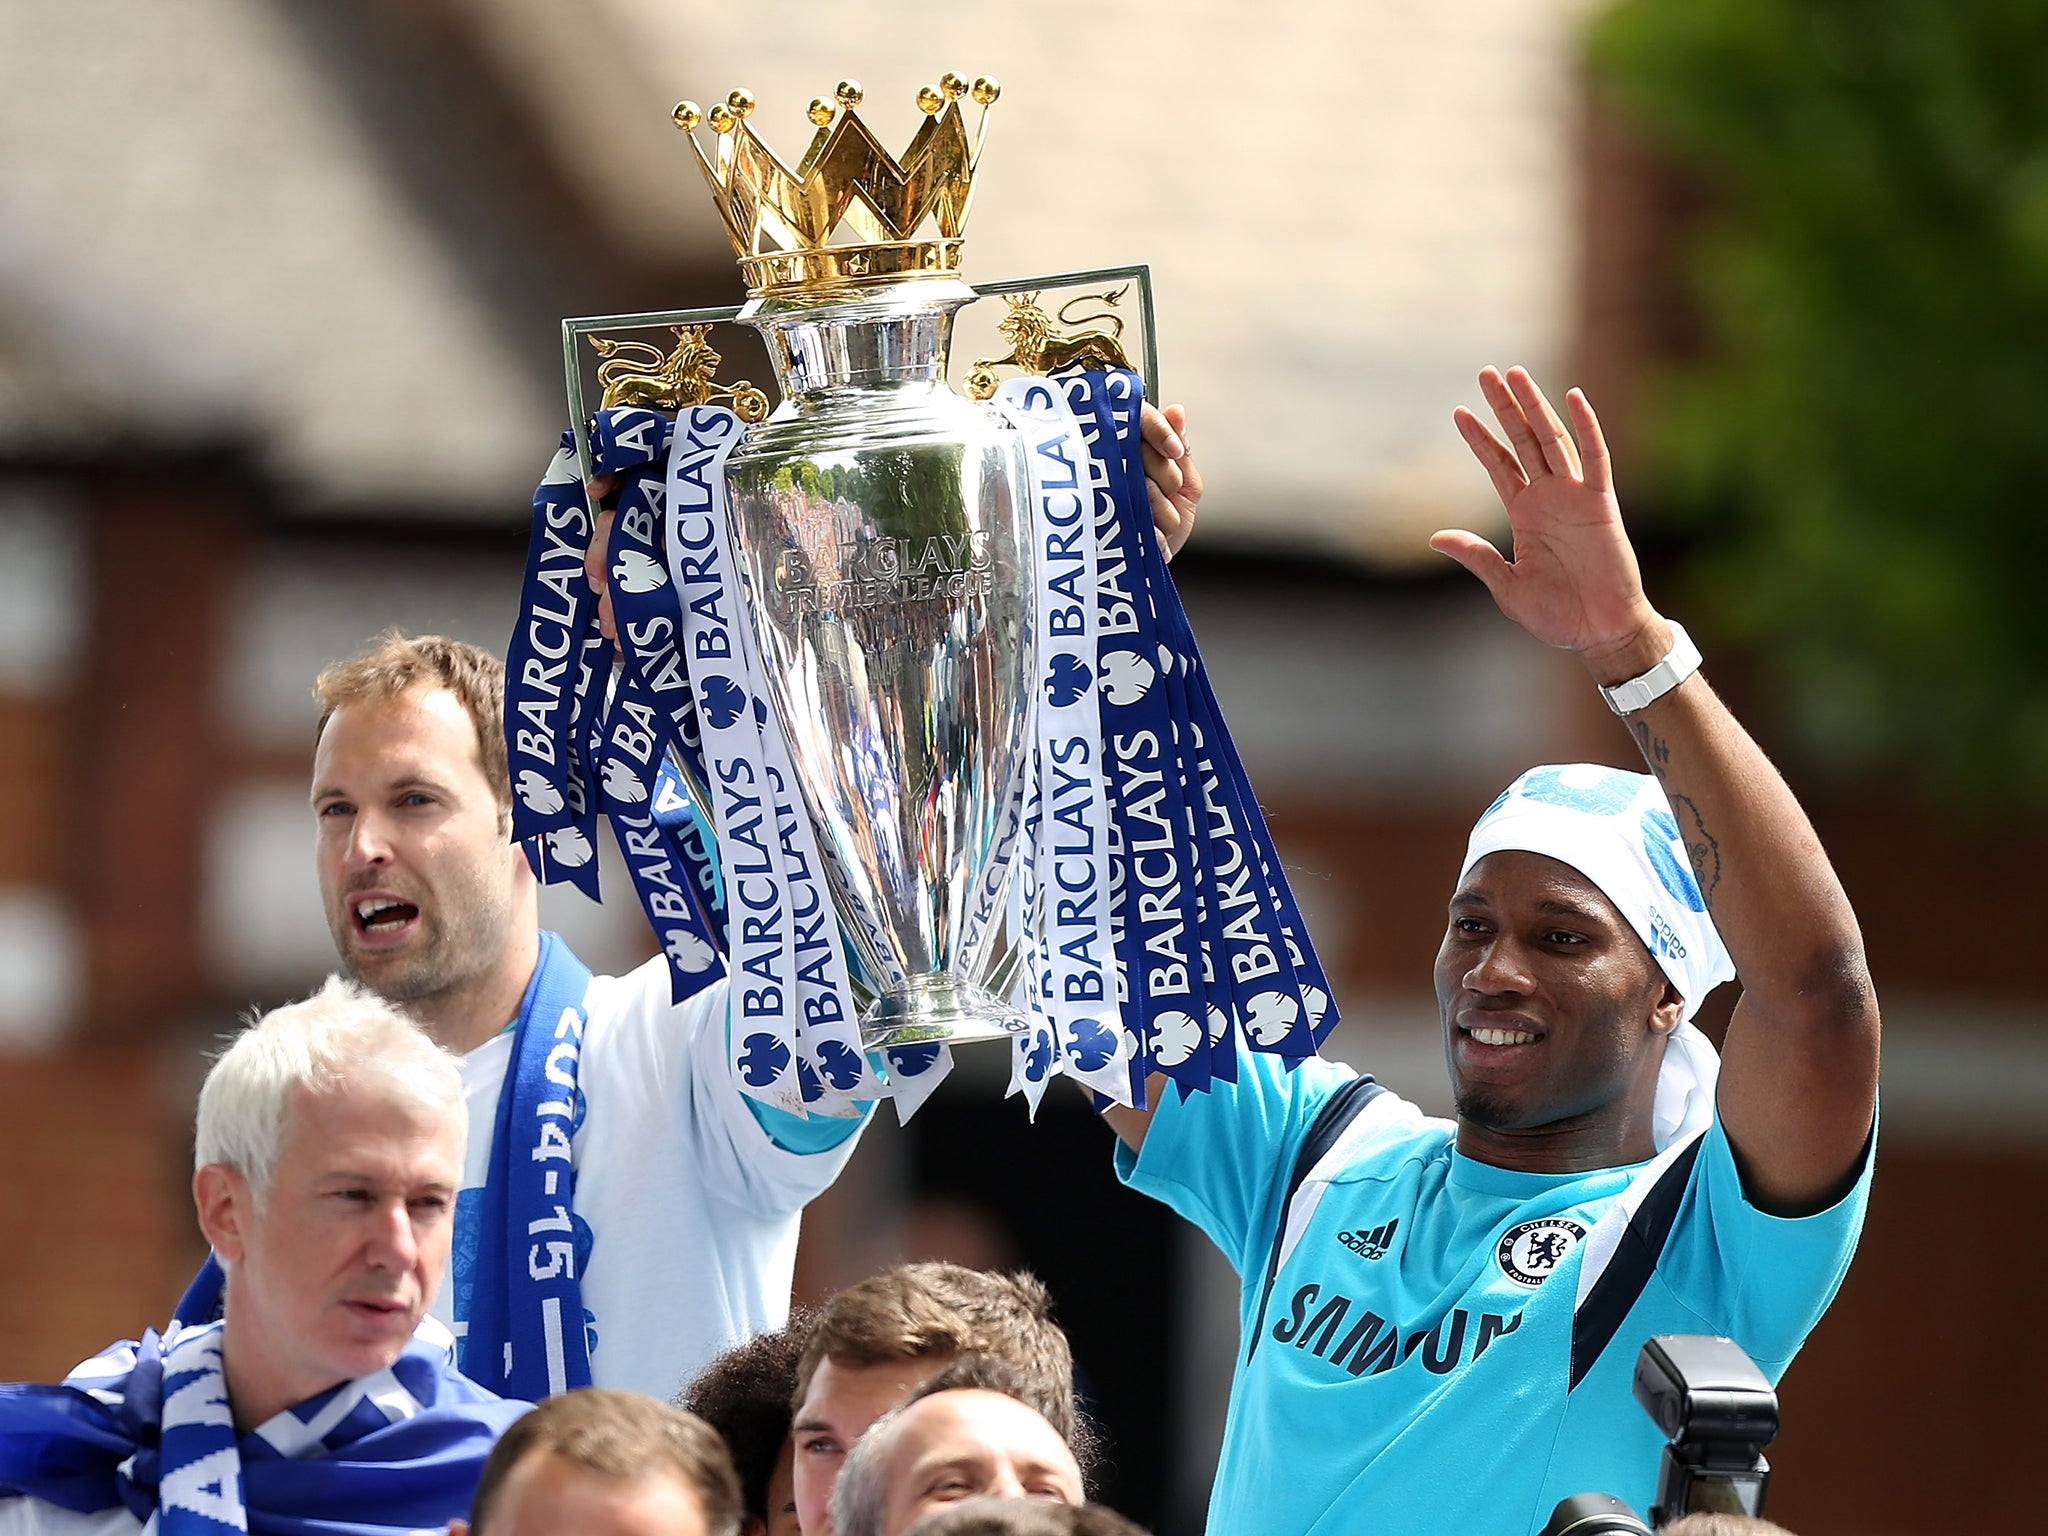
x: 1701, y: 846
x: 1656, y: 752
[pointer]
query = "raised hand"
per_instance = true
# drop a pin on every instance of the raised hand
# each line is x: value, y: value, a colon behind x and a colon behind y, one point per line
x: 1171, y: 479
x: 1573, y: 581
x: 600, y: 489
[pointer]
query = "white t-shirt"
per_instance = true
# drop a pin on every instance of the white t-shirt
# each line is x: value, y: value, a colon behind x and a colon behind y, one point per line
x: 686, y: 1209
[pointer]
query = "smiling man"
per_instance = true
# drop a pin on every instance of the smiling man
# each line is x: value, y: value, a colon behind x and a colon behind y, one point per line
x: 329, y: 1148
x: 963, y: 1435
x: 1440, y: 1318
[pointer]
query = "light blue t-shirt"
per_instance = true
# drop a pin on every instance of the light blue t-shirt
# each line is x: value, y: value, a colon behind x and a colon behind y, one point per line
x: 1447, y: 1346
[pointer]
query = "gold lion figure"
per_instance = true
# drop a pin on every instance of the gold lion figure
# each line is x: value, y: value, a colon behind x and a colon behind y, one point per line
x: 1038, y: 346
x: 639, y: 373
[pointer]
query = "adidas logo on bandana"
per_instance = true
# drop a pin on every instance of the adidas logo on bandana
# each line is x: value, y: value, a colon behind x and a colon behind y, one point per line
x: 1373, y: 1244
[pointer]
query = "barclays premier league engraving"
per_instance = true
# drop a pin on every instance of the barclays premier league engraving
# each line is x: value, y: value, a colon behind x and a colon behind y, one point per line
x: 902, y: 668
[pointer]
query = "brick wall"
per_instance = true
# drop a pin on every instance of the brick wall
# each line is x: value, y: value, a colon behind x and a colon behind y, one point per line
x: 100, y: 1236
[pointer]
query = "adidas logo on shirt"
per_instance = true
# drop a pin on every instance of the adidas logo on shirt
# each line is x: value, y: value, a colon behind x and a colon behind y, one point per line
x: 1373, y: 1244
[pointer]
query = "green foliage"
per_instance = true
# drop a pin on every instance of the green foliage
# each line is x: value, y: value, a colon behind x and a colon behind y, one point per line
x: 1869, y: 432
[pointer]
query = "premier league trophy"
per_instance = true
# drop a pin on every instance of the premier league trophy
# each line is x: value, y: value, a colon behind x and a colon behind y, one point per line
x: 898, y: 665
x: 881, y: 525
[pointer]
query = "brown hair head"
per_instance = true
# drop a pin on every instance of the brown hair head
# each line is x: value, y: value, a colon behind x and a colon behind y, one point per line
x: 861, y: 1492
x: 396, y: 664
x: 918, y: 1310
x: 625, y: 1436
x: 993, y: 1373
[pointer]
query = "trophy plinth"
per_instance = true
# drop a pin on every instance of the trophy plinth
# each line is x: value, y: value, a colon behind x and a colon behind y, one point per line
x: 880, y: 521
x: 939, y: 1009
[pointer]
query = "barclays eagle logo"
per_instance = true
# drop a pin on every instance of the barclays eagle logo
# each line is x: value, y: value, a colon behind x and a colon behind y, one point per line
x: 763, y: 1060
x: 1318, y: 1004
x: 913, y: 1060
x: 1094, y: 1045
x: 569, y: 847
x: 1174, y: 1037
x: 1127, y: 677
x: 1270, y: 1016
x: 1067, y: 681
x: 840, y: 1063
x: 1038, y: 1056
x: 723, y: 702
x: 622, y: 784
x: 637, y: 571
x: 689, y: 951
x: 537, y: 794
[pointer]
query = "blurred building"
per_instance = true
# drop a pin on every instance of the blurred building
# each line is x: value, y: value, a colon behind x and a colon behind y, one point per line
x: 279, y: 363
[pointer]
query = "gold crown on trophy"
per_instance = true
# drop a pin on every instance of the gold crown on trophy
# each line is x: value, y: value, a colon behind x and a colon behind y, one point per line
x: 850, y: 213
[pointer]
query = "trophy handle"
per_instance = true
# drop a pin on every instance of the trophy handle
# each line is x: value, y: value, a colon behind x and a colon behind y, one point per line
x: 746, y: 399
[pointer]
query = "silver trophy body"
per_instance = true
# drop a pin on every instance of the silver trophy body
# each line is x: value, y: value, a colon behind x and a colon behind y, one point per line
x: 882, y: 523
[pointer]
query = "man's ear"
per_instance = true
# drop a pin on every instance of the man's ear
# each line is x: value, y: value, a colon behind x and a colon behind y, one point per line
x: 1668, y: 1012
x: 226, y: 1206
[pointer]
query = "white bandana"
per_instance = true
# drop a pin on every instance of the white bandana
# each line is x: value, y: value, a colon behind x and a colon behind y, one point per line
x: 1616, y: 829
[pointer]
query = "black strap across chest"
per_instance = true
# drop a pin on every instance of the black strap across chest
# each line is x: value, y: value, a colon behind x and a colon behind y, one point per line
x: 1330, y: 1122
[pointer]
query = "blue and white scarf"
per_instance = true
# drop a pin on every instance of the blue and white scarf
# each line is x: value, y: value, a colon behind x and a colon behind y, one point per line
x: 527, y: 1327
x: 147, y: 1425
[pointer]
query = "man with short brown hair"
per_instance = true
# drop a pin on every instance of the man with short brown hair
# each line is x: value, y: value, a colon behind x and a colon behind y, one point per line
x: 624, y: 1211
x: 604, y: 1463
x: 876, y: 1341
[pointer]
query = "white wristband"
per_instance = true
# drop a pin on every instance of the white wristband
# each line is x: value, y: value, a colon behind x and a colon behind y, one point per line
x: 1641, y: 692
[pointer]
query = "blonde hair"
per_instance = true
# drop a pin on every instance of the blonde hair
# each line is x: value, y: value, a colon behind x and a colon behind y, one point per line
x: 339, y: 1038
x: 395, y: 664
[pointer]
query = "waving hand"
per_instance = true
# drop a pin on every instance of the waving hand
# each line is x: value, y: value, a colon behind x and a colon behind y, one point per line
x: 1573, y: 581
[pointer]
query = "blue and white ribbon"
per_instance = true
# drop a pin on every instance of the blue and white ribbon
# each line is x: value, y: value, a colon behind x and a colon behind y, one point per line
x: 527, y: 1333
x: 651, y: 715
x: 1287, y: 1011
x: 545, y: 678
x: 677, y: 907
x: 794, y: 1040
x: 1065, y: 876
x: 1144, y: 728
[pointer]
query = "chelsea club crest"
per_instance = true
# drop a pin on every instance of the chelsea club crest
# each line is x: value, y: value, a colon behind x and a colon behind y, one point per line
x: 1530, y: 1254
